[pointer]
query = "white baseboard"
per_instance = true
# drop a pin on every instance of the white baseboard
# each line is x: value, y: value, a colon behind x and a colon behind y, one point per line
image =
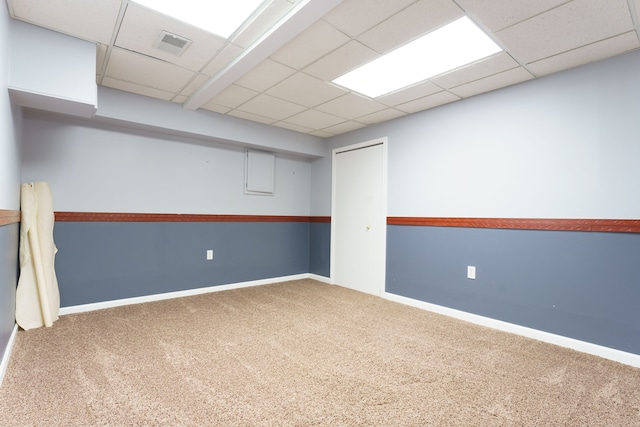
x: 7, y: 353
x: 582, y: 346
x: 322, y: 279
x: 178, y: 294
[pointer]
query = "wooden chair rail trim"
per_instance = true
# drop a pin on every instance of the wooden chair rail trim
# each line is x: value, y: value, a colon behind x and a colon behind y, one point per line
x: 161, y: 217
x: 564, y: 224
x: 9, y: 217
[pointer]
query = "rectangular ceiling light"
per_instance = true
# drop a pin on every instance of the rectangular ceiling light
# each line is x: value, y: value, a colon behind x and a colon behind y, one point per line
x: 442, y: 50
x: 220, y: 17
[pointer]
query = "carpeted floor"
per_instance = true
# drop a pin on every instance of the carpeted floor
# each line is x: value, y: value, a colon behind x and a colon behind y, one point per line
x: 302, y: 354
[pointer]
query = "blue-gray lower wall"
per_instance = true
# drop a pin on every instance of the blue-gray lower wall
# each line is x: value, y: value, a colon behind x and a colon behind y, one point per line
x: 104, y: 261
x: 320, y: 248
x: 582, y: 285
x: 9, y: 237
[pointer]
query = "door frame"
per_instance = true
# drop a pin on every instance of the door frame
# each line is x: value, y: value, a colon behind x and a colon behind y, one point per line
x: 382, y: 220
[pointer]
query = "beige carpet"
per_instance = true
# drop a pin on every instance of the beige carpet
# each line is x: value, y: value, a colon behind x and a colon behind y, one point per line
x: 302, y: 354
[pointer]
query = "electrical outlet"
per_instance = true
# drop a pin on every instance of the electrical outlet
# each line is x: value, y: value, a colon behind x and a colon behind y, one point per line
x: 471, y: 272
x: 209, y: 254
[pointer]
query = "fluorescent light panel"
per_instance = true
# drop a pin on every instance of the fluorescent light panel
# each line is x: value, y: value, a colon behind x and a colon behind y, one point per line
x: 442, y: 50
x: 216, y: 16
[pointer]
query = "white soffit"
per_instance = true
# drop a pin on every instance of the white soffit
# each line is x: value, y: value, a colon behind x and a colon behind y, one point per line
x: 71, y: 16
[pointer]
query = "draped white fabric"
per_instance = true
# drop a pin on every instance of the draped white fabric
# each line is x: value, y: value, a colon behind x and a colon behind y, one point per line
x: 37, y: 296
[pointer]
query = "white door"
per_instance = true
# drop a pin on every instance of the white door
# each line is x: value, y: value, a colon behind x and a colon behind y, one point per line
x: 358, y: 219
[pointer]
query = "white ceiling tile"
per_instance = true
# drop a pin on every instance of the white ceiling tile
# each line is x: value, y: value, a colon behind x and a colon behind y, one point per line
x: 195, y: 83
x: 341, y: 61
x: 314, y: 119
x: 179, y: 99
x: 146, y: 71
x: 72, y: 16
x: 265, y: 75
x: 250, y: 116
x: 305, y: 90
x: 311, y: 45
x: 427, y: 102
x: 583, y: 55
x: 268, y: 106
x: 350, y: 106
x: 492, y: 65
x: 322, y: 134
x: 293, y: 127
x: 141, y: 27
x: 497, y: 15
x: 234, y: 96
x: 381, y: 116
x: 414, y: 21
x: 222, y: 59
x: 344, y: 127
x: 567, y: 27
x: 216, y: 108
x: 354, y: 17
x: 496, y: 81
x: 137, y: 88
x: 416, y: 91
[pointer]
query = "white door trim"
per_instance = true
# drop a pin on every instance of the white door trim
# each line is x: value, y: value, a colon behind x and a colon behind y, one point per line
x: 383, y: 221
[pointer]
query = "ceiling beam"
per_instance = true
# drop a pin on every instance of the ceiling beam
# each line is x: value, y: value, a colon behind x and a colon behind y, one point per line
x: 297, y: 20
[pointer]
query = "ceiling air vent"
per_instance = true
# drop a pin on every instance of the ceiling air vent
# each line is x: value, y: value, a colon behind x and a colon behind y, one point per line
x: 172, y: 43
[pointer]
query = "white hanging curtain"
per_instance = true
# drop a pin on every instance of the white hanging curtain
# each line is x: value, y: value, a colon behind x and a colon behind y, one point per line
x: 37, y: 296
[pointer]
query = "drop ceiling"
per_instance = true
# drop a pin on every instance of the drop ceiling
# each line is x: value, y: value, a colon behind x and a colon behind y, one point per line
x: 277, y: 68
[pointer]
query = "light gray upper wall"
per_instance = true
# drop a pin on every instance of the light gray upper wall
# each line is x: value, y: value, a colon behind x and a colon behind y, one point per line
x: 10, y: 123
x: 105, y: 168
x: 565, y: 145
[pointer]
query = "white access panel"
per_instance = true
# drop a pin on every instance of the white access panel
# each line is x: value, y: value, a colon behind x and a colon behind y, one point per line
x: 260, y: 167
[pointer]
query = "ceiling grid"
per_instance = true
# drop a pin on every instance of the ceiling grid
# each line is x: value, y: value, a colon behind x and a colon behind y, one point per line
x: 279, y: 71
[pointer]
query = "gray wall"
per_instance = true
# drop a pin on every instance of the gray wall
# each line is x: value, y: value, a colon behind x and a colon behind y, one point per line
x: 563, y: 146
x: 581, y: 285
x: 99, y: 262
x: 320, y: 249
x: 10, y: 119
